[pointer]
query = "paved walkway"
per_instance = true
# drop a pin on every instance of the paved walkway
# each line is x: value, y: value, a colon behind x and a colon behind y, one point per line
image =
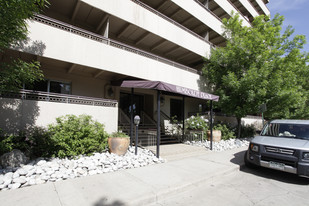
x: 172, y: 152
x: 140, y: 186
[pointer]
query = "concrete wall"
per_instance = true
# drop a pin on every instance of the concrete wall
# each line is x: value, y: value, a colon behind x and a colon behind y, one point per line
x: 16, y: 114
x: 247, y: 121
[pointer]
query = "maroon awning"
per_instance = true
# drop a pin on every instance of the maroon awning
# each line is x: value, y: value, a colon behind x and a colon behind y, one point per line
x: 162, y: 86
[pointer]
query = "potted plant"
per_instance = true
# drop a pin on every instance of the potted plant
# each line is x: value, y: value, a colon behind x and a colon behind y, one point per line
x: 221, y: 131
x: 216, y: 135
x: 118, y: 143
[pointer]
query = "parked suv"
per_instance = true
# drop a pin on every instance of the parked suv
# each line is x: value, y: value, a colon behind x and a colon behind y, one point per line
x: 282, y: 145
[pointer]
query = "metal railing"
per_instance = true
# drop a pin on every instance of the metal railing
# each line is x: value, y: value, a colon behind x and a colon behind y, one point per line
x: 90, y: 35
x: 195, y: 136
x: 147, y: 120
x: 59, y: 98
x: 123, y: 119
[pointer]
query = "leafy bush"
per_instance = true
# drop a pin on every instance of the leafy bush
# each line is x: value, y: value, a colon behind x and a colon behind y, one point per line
x: 40, y: 142
x: 73, y: 136
x: 226, y: 131
x: 247, y: 131
x: 6, y: 142
x: 119, y: 134
x: 35, y: 142
x: 197, y: 123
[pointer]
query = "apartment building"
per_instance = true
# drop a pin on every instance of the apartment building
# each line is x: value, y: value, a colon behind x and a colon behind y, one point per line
x: 87, y: 48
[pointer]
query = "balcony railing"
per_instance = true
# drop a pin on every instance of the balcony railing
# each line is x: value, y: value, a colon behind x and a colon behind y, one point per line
x: 255, y: 7
x: 90, y: 35
x: 239, y: 12
x: 59, y: 98
x: 207, y: 9
x: 171, y: 21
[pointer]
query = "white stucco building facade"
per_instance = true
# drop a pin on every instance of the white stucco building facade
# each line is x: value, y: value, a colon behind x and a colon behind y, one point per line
x: 87, y: 47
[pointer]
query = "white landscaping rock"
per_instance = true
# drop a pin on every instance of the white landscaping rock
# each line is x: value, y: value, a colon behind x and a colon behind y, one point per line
x: 14, y: 186
x: 40, y: 171
x: 22, y: 172
x: 41, y: 162
x: 222, y: 145
x: 21, y: 180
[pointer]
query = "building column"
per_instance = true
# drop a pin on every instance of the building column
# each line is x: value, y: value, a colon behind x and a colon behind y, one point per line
x: 131, y: 117
x: 158, y: 123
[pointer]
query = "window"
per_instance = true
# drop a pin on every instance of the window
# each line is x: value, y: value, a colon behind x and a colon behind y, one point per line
x: 38, y: 86
x: 50, y: 86
x: 59, y: 87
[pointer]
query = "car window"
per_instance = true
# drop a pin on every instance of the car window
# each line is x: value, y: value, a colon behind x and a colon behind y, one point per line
x: 287, y: 130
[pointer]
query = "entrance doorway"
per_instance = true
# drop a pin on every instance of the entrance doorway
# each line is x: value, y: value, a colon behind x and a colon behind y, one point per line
x: 176, y: 109
x: 125, y: 103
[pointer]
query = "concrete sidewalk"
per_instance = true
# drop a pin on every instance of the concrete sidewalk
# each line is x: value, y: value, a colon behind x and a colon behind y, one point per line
x: 140, y: 186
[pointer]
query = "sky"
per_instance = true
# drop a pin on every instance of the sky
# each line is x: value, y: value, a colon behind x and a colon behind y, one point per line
x: 296, y: 14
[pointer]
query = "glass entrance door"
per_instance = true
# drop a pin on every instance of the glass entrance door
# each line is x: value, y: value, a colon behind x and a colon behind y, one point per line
x: 125, y: 103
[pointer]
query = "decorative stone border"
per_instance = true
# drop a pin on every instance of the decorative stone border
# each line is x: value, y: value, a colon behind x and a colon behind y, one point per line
x: 42, y: 170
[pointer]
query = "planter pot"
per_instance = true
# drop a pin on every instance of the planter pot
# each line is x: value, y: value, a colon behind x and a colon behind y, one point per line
x: 118, y: 145
x: 216, y: 135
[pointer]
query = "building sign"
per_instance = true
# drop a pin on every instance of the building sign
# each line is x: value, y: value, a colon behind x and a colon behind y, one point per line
x: 162, y: 86
x: 193, y: 93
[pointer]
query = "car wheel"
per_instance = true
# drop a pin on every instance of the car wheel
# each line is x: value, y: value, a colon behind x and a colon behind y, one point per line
x: 247, y: 163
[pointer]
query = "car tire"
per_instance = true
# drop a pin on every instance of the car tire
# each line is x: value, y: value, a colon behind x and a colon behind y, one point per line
x: 247, y: 163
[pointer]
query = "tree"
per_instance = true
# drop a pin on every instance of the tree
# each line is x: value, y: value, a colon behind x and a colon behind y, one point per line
x: 259, y: 65
x: 13, y: 30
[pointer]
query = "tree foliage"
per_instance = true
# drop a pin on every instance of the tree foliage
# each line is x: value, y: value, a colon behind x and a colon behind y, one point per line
x: 13, y: 29
x: 259, y: 65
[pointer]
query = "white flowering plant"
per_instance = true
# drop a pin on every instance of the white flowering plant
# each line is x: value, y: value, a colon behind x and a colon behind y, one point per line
x: 196, y: 123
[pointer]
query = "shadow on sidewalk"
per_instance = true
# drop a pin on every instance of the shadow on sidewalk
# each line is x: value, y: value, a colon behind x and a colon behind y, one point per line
x: 104, y: 202
x: 238, y: 158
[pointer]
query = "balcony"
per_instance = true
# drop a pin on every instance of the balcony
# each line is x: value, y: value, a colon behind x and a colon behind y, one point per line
x: 107, y: 41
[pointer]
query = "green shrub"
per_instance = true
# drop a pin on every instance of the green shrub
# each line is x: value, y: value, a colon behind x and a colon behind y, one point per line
x: 34, y: 142
x: 40, y: 141
x: 6, y: 142
x: 119, y: 134
x: 247, y: 131
x: 196, y: 123
x: 226, y: 131
x: 73, y: 136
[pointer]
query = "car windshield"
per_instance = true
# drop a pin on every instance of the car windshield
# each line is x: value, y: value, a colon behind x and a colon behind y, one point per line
x: 299, y: 131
